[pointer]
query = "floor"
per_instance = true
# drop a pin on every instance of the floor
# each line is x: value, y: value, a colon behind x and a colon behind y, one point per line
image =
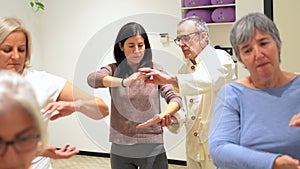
x: 90, y: 162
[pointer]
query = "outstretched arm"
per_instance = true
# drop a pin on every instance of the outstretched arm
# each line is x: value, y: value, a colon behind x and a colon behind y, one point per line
x: 73, y: 99
x: 159, y: 77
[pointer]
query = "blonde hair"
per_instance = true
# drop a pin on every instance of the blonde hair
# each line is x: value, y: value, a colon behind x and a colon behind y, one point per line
x: 16, y: 92
x: 9, y: 25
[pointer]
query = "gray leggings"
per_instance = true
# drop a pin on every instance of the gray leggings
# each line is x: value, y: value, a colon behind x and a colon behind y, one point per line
x: 154, y: 162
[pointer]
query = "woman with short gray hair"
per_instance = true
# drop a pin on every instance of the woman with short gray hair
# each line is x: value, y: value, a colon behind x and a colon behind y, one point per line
x: 250, y: 127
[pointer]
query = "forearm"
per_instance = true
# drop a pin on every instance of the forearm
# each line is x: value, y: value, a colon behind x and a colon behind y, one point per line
x: 173, y: 80
x: 47, y: 151
x: 110, y: 81
x: 236, y: 157
x: 171, y: 109
x: 95, y: 108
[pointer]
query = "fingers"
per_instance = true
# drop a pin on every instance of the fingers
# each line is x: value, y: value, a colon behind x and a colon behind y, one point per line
x: 66, y: 152
x: 51, y: 107
x: 56, y: 116
x: 295, y: 120
x: 145, y: 69
x: 156, y: 119
x: 167, y: 120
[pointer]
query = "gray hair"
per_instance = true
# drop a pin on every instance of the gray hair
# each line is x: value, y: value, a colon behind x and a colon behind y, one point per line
x: 244, y: 29
x: 16, y: 92
x: 200, y: 25
x: 9, y: 25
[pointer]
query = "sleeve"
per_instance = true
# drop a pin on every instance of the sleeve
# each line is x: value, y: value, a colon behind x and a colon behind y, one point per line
x: 95, y: 79
x: 47, y: 87
x: 228, y: 65
x: 226, y: 151
x: 57, y: 85
x: 168, y: 93
x: 166, y: 90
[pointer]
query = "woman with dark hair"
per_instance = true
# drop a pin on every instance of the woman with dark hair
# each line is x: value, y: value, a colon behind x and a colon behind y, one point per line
x: 133, y: 102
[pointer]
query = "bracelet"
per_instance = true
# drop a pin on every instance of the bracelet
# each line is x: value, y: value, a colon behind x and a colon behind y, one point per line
x: 122, y: 83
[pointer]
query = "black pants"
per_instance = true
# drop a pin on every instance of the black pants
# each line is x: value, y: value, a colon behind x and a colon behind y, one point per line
x: 154, y: 162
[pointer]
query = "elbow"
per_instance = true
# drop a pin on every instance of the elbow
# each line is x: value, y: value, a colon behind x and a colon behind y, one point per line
x: 216, y: 152
x: 104, y: 112
x: 103, y: 109
x: 100, y: 115
x: 92, y: 80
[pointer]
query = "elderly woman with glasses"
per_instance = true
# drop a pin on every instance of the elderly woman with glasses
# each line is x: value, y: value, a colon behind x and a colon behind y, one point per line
x: 21, y: 127
x: 199, y: 79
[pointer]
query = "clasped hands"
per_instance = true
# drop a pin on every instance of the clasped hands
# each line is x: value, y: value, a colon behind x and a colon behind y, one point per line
x: 149, y: 75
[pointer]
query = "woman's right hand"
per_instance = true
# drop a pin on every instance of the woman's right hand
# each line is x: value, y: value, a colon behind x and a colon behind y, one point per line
x: 133, y: 78
x: 295, y: 120
x: 286, y: 162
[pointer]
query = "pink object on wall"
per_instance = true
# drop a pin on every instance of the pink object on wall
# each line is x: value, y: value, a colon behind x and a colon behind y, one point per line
x: 223, y: 14
x: 216, y: 2
x: 189, y: 3
x: 204, y: 14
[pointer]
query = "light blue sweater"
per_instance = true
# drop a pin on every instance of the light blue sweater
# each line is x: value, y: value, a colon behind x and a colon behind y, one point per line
x: 250, y: 127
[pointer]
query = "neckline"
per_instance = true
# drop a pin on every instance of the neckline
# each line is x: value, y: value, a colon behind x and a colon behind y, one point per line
x: 278, y: 87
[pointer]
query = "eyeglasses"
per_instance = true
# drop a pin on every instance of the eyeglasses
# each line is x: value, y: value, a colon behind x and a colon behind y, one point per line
x: 22, y: 144
x: 184, y: 38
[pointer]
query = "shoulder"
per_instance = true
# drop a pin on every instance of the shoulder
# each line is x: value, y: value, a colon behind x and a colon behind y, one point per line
x: 33, y: 73
x: 110, y: 67
x: 245, y: 81
x: 41, y: 76
x: 238, y: 85
x: 224, y: 56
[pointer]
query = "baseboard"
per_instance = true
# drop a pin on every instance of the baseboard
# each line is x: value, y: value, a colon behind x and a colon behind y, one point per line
x: 106, y: 155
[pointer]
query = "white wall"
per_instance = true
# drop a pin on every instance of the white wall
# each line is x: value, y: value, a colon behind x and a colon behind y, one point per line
x: 286, y: 16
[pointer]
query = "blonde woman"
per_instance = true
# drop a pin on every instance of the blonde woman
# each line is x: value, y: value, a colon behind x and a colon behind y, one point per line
x: 53, y: 92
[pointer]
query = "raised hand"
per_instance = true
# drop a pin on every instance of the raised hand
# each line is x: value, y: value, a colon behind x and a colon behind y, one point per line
x: 158, y: 77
